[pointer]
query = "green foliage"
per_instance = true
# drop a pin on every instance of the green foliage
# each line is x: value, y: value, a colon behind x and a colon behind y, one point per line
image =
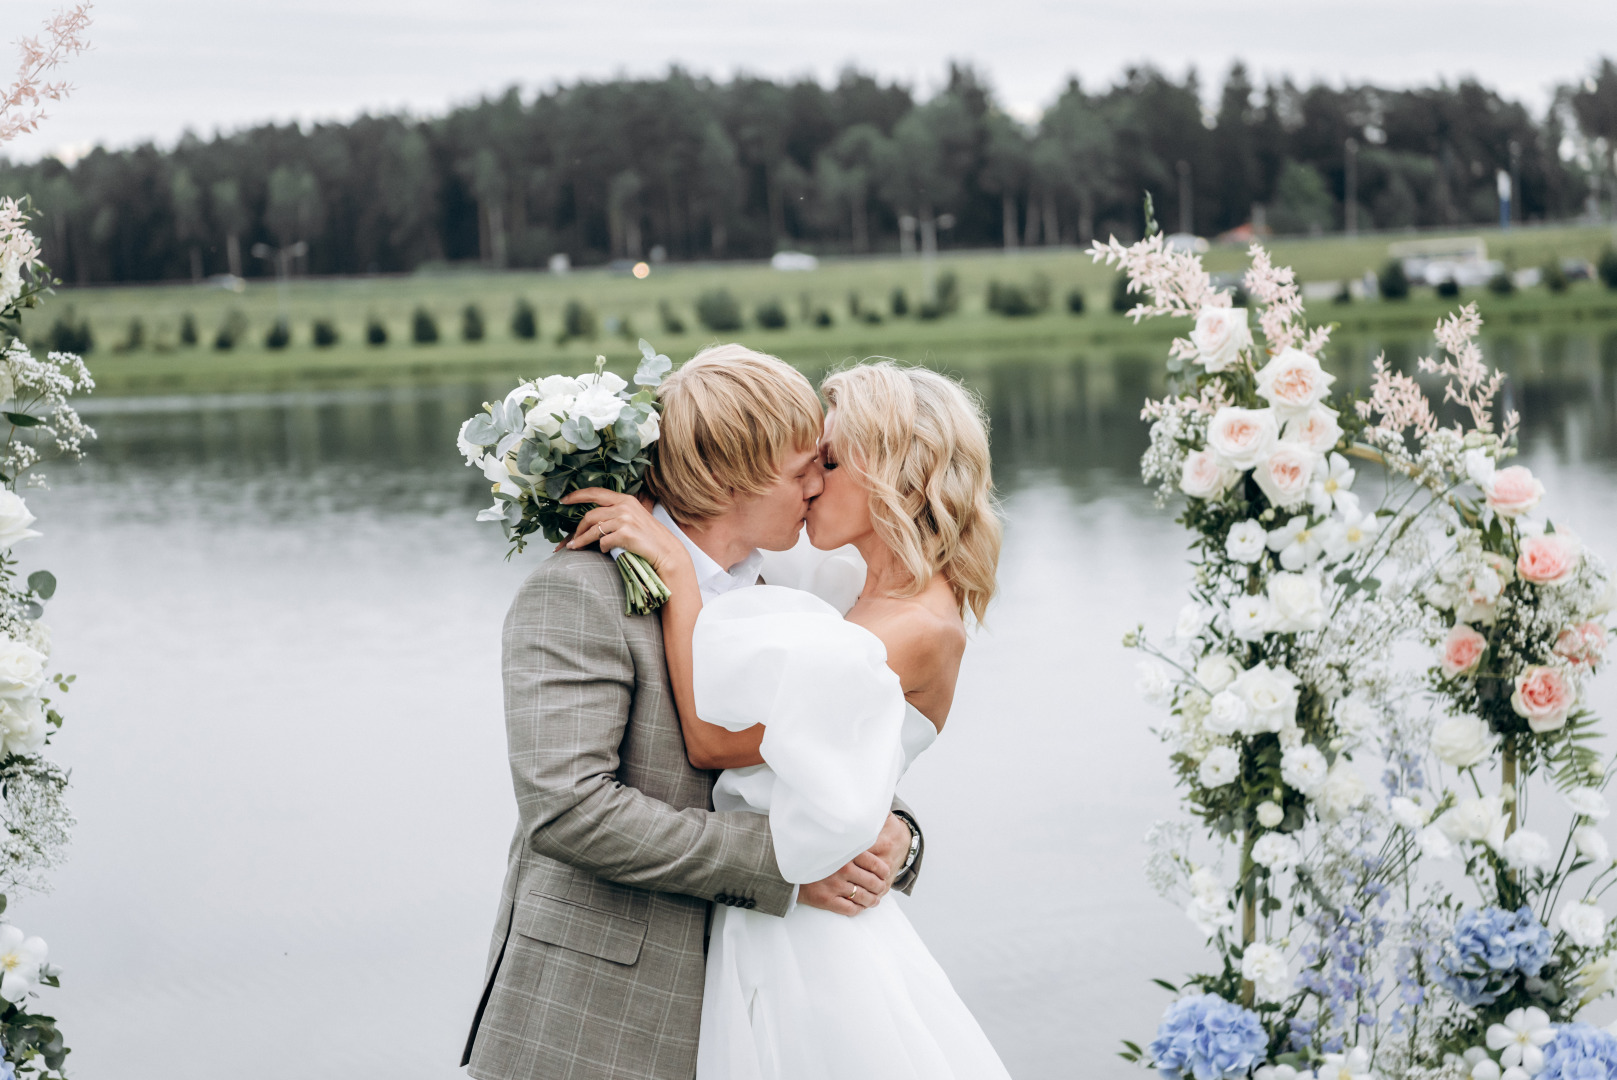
x: 188, y: 329
x: 1392, y: 282
x: 524, y: 321
x: 1502, y: 284
x: 230, y: 332
x: 70, y: 334
x: 279, y: 335
x: 671, y: 322
x: 1448, y: 289
x: 423, y: 327
x: 899, y: 304
x: 946, y: 294
x: 1015, y: 301
x: 1122, y: 299
x: 471, y: 323
x: 771, y: 315
x: 1553, y: 277
x: 324, y: 333
x: 375, y: 331
x: 43, y: 584
x: 134, y: 336
x: 717, y: 310
x: 577, y: 321
x: 1606, y: 268
x: 1303, y: 202
x: 823, y: 319
x: 1075, y: 302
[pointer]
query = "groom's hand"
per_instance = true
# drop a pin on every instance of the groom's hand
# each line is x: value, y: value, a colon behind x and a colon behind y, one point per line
x: 857, y: 886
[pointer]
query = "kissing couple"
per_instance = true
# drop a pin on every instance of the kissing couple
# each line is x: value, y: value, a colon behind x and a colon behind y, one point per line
x: 708, y: 831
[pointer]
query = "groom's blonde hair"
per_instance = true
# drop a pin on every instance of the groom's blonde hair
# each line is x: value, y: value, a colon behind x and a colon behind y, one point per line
x: 918, y: 443
x: 729, y: 417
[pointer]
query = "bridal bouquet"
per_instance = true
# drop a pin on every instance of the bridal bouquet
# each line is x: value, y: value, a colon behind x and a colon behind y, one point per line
x: 557, y: 435
x: 1352, y: 782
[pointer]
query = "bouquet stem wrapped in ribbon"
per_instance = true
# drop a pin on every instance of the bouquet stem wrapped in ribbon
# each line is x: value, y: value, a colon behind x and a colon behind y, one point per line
x: 557, y: 435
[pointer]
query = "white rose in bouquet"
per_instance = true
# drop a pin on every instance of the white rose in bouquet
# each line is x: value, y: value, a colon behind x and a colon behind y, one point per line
x: 14, y: 519
x: 23, y: 726
x: 1285, y: 474
x: 1293, y: 383
x: 1277, y: 852
x: 1269, y: 814
x: 22, y: 669
x: 1298, y: 602
x: 1227, y: 714
x: 599, y: 404
x: 559, y: 386
x: 1591, y: 845
x: 1221, y: 335
x: 1240, y: 438
x: 1251, y: 617
x: 651, y: 429
x: 1343, y: 791
x: 1315, y: 429
x: 1271, y: 696
x: 1221, y: 766
x: 1216, y: 671
x: 1246, y: 541
x: 1525, y: 849
x: 1264, y: 966
x: 1303, y: 768
x: 1203, y: 477
x: 546, y: 417
x: 1462, y: 741
x: 1584, y: 923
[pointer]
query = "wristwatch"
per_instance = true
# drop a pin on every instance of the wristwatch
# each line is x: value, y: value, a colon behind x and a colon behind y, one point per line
x: 915, y: 842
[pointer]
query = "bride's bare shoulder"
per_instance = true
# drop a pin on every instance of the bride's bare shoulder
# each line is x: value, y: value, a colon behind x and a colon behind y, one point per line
x: 924, y: 634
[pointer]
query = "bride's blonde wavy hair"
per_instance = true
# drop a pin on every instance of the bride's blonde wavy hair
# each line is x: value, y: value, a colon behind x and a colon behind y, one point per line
x: 918, y: 442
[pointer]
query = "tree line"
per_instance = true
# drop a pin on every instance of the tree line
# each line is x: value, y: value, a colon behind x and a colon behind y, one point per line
x: 685, y: 167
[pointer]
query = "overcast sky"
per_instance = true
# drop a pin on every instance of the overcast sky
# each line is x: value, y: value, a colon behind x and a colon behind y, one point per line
x: 158, y: 67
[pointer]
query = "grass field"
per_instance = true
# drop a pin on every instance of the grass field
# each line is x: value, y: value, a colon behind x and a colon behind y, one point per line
x: 626, y: 308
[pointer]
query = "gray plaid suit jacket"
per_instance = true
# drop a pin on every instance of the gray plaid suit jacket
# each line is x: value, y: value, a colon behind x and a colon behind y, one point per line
x: 596, y: 966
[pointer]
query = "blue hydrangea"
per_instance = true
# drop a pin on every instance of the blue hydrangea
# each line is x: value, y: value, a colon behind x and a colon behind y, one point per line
x: 1580, y: 1052
x: 1208, y: 1038
x: 1488, y: 950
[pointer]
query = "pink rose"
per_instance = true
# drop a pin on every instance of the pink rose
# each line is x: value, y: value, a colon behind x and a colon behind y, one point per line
x: 1582, y: 644
x: 1461, y: 650
x: 1285, y: 475
x: 1543, y: 697
x: 1316, y: 429
x: 1240, y: 438
x: 1514, y: 491
x: 1550, y: 559
x: 1292, y: 382
x: 1220, y: 336
x: 1203, y: 477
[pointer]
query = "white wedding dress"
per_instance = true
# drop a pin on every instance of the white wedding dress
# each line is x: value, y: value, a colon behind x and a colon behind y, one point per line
x: 813, y: 995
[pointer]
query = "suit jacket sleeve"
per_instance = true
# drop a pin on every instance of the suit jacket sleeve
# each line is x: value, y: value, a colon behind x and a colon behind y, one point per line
x: 905, y: 882
x: 569, y: 686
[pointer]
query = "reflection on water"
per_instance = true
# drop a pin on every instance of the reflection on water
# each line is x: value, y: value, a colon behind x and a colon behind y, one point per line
x: 289, y: 761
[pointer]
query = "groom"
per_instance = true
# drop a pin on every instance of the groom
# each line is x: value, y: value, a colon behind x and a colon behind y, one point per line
x: 596, y: 967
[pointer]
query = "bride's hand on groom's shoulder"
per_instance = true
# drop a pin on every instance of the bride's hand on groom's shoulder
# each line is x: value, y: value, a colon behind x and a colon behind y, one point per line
x: 624, y: 521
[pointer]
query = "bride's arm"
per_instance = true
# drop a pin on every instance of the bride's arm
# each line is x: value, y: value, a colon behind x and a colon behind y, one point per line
x: 627, y: 524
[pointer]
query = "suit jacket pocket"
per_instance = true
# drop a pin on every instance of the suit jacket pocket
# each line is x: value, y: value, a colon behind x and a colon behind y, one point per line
x: 581, y: 929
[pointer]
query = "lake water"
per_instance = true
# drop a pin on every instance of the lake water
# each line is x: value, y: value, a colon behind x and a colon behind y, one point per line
x: 288, y: 752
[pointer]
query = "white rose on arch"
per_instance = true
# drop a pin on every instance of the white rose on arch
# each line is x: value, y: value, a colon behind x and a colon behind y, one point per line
x: 1293, y: 383
x: 23, y: 726
x: 1221, y: 766
x: 1304, y: 768
x: 1284, y: 476
x: 1270, y: 696
x: 1462, y: 741
x: 1216, y: 671
x: 22, y: 669
x: 1245, y: 541
x: 1202, y: 477
x: 1241, y: 438
x: 1316, y: 429
x: 1221, y: 335
x: 1298, y: 602
x: 14, y: 519
x: 1276, y: 852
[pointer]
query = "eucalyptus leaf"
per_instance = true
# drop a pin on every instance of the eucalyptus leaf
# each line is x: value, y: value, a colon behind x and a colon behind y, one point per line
x: 22, y: 419
x: 581, y: 433
x: 507, y: 444
x: 653, y: 366
x: 481, y: 431
x: 43, y: 583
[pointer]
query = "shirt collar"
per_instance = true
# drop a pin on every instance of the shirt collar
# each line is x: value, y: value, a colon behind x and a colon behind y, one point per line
x: 713, y: 579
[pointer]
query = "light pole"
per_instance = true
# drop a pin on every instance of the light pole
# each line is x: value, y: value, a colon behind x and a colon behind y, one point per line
x: 282, y: 258
x: 1350, y: 211
x: 1516, y: 207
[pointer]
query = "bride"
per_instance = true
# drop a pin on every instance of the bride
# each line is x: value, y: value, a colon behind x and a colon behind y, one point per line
x: 814, y: 700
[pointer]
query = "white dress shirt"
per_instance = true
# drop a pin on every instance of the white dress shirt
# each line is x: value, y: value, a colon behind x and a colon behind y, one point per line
x: 711, y: 578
